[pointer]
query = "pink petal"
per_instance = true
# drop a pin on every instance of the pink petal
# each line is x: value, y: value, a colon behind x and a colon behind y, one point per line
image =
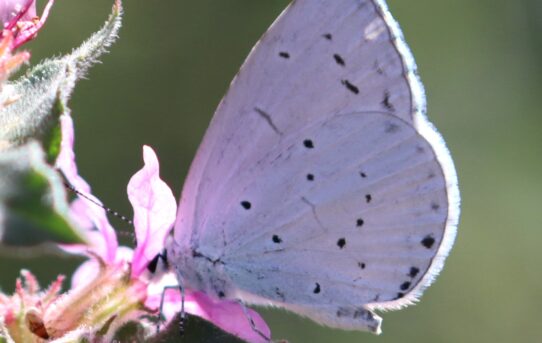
x: 78, y: 213
x: 97, y: 245
x: 124, y: 254
x: 85, y: 274
x: 154, y: 211
x: 227, y: 315
x: 89, y: 269
x: 30, y: 29
x: 85, y: 210
x: 66, y: 158
x: 11, y: 9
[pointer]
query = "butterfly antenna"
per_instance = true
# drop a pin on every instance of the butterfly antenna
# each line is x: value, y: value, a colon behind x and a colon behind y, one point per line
x: 107, y: 209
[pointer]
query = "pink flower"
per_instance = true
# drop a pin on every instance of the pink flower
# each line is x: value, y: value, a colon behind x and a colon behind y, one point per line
x: 119, y: 274
x: 19, y: 18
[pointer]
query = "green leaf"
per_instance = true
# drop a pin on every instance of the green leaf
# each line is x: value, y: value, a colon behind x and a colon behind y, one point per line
x: 34, y: 102
x: 33, y: 206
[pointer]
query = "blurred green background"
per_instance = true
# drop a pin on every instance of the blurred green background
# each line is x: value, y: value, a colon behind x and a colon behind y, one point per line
x: 481, y: 64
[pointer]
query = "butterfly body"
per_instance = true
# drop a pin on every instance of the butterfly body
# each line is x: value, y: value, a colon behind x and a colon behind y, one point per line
x: 320, y: 187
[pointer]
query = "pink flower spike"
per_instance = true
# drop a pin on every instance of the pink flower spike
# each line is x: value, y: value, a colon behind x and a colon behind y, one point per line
x: 154, y: 211
x: 85, y: 273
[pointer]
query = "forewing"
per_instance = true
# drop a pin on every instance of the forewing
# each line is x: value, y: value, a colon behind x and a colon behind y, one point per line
x: 320, y: 58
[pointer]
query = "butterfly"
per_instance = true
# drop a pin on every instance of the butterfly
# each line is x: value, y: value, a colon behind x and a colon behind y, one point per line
x: 320, y: 186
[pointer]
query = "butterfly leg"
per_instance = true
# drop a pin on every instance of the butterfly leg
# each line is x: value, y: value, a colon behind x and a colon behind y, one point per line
x: 182, y: 320
x: 252, y: 323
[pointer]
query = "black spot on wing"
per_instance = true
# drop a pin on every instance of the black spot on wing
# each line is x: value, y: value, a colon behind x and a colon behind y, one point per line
x: 405, y: 286
x: 328, y: 36
x: 317, y: 289
x: 246, y: 205
x: 341, y: 243
x: 280, y: 294
x: 343, y: 312
x: 351, y: 87
x: 309, y: 144
x: 363, y: 313
x: 276, y: 239
x: 359, y: 222
x: 339, y: 60
x: 413, y: 272
x: 284, y: 54
x: 363, y: 175
x: 267, y: 117
x: 310, y: 177
x: 435, y: 206
x: 362, y: 265
x: 386, y: 102
x: 368, y: 198
x: 428, y: 241
x: 391, y: 127
x: 378, y: 68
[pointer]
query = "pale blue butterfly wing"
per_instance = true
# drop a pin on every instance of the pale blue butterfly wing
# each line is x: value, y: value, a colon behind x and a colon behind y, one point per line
x: 320, y: 186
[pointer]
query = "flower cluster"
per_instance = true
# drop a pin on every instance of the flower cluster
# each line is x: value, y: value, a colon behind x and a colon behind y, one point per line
x: 114, y: 285
x: 112, y: 266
